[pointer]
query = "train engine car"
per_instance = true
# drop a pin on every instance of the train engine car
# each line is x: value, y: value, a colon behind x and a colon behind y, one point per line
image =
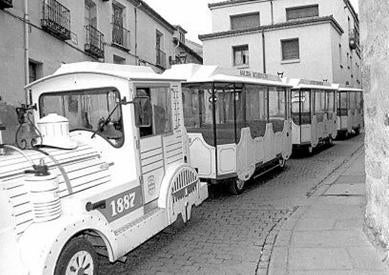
x: 108, y: 168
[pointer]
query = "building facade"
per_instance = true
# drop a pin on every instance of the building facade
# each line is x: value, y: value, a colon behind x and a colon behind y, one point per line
x: 183, y: 51
x: 66, y: 31
x: 313, y: 39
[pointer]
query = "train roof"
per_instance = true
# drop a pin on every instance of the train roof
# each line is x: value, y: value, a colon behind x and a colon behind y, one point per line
x: 349, y: 89
x: 195, y: 73
x: 299, y: 83
x: 128, y: 72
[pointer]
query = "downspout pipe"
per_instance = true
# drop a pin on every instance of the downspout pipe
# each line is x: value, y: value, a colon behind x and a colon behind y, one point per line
x: 263, y: 51
x: 136, y: 32
x: 272, y: 12
x: 26, y: 49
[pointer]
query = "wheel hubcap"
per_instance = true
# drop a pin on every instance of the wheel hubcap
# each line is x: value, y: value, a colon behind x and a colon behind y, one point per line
x: 80, y: 264
x: 239, y: 184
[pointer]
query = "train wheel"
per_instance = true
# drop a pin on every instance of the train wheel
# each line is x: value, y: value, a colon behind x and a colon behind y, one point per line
x: 330, y: 141
x: 77, y: 257
x: 282, y: 162
x: 237, y: 186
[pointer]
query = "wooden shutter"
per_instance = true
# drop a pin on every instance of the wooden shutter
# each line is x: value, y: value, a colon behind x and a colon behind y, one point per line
x: 245, y: 21
x: 302, y: 12
x: 290, y: 49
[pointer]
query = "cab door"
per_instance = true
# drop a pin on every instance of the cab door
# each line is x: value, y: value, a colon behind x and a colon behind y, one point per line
x: 156, y: 105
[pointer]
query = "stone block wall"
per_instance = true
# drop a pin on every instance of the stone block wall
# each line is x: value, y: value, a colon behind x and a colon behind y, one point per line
x: 374, y: 17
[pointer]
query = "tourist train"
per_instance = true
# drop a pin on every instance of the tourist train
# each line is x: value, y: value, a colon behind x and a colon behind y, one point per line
x: 106, y: 156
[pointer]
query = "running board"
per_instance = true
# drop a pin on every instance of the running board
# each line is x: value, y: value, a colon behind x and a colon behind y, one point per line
x: 266, y: 171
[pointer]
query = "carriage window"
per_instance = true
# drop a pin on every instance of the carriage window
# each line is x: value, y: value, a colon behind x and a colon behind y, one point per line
x: 319, y: 105
x: 301, y: 107
x: 161, y: 111
x: 198, y: 117
x: 352, y: 100
x: 256, y: 109
x: 87, y: 110
x: 359, y: 101
x: 277, y: 108
x: 330, y: 101
x: 343, y: 105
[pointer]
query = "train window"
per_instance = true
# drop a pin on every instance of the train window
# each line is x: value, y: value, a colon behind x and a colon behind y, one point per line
x: 343, y: 104
x: 87, y: 110
x: 359, y: 101
x: 161, y: 111
x: 330, y: 101
x: 301, y: 107
x: 198, y: 116
x: 277, y: 108
x: 225, y: 114
x: 256, y: 109
x: 319, y: 105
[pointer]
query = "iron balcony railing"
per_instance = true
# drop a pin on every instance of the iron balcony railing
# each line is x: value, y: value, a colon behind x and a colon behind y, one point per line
x: 120, y: 35
x: 94, y: 43
x: 56, y: 19
x: 5, y: 4
x: 161, y: 58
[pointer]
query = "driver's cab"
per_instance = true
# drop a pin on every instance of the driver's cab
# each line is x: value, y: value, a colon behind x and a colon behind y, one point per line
x: 130, y: 114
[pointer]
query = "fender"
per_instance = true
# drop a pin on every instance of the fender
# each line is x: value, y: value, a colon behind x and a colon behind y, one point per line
x: 165, y: 192
x: 42, y: 243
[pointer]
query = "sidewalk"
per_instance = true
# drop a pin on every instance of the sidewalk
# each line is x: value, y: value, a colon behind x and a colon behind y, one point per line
x: 326, y: 235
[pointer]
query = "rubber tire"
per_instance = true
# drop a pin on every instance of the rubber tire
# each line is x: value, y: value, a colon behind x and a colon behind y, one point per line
x: 72, y: 247
x: 234, y: 189
x: 357, y: 131
x: 282, y: 163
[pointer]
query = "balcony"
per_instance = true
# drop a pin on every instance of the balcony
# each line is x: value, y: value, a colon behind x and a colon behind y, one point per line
x: 56, y: 19
x: 5, y: 4
x: 120, y: 36
x: 94, y: 43
x: 161, y: 58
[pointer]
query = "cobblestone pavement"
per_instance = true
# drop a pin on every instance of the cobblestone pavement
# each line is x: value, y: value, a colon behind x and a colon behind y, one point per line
x: 235, y: 234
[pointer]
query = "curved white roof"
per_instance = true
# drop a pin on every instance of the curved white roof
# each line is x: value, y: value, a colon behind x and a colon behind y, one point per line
x: 194, y: 73
x: 129, y: 72
x: 311, y: 84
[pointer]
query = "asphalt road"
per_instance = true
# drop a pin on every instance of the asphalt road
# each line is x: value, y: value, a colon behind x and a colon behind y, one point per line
x: 235, y: 234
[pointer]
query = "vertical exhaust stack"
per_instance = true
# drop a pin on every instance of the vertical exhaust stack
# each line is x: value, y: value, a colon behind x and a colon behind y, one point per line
x: 44, y: 188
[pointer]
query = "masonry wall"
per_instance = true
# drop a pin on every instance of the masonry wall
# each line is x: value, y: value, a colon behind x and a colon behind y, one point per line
x: 375, y: 39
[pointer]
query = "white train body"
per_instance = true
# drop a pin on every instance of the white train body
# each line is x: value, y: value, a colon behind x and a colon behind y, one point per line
x: 117, y: 192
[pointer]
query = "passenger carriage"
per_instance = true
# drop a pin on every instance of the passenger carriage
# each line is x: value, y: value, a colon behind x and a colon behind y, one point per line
x: 350, y: 111
x: 238, y: 122
x: 121, y: 175
x: 313, y: 113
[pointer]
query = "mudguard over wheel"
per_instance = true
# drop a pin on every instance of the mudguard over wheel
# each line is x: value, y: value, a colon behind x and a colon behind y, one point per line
x: 77, y: 257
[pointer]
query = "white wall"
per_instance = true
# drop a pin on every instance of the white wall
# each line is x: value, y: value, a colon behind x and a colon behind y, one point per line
x: 219, y: 51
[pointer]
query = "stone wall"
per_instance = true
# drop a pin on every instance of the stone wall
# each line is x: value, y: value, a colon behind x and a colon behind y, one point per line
x: 374, y: 16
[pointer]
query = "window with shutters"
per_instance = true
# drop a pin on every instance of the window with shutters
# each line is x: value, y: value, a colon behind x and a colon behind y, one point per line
x: 241, y: 55
x: 245, y: 21
x: 302, y: 12
x: 290, y: 49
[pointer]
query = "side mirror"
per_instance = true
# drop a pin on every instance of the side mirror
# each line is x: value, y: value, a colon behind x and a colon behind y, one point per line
x: 143, y: 111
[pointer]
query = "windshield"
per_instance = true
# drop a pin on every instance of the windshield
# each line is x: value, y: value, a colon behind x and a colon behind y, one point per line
x: 87, y: 110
